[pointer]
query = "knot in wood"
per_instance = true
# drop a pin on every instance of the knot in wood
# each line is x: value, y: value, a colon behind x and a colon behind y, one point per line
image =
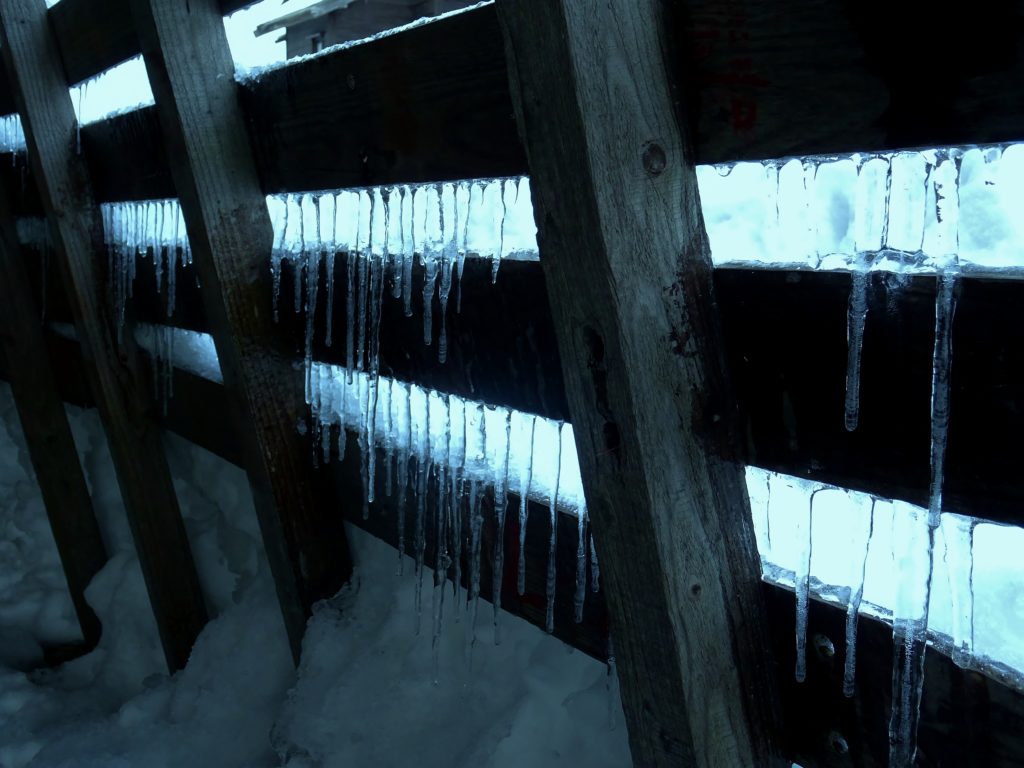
x: 654, y: 159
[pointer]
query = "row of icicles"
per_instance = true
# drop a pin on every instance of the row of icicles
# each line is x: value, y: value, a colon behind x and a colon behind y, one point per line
x: 383, y: 230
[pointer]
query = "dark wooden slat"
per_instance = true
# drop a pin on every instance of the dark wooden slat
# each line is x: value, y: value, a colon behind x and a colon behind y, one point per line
x: 628, y: 268
x: 94, y: 35
x: 409, y: 114
x: 967, y: 719
x: 51, y: 446
x: 31, y: 61
x: 230, y: 233
x: 794, y: 77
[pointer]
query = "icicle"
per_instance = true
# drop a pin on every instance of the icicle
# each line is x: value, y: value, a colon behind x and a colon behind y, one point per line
x: 432, y: 246
x: 458, y: 486
x: 856, y: 317
x: 958, y: 536
x: 945, y: 306
x: 449, y: 237
x: 361, y: 308
x: 525, y: 480
x: 854, y: 601
x: 376, y: 299
x: 441, y: 562
x: 423, y: 467
x: 581, y: 565
x: 476, y: 521
x: 916, y: 537
x: 463, y: 193
x: 403, y: 473
x: 549, y: 611
x: 408, y: 217
x: 78, y: 123
x: 500, y: 506
x: 595, y: 568
x: 312, y: 253
x: 496, y: 258
x: 328, y: 218
x: 803, y: 584
x: 276, y: 258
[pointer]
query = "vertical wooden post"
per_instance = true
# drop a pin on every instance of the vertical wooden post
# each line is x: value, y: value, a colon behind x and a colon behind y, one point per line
x: 33, y: 67
x: 47, y: 433
x: 626, y: 257
x: 192, y: 76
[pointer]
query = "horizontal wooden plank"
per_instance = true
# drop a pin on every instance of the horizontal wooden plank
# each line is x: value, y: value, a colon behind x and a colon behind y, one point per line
x: 429, y: 104
x: 796, y: 77
x: 94, y: 35
x: 967, y: 719
x: 785, y: 336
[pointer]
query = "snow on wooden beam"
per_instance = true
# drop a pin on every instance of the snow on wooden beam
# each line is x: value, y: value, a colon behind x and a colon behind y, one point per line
x: 33, y: 67
x: 628, y: 269
x: 230, y: 233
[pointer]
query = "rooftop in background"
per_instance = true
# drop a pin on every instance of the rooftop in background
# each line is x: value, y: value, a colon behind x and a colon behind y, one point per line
x: 329, y: 22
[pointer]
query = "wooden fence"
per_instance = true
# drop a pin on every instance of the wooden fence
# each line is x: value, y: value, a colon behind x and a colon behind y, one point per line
x: 760, y: 80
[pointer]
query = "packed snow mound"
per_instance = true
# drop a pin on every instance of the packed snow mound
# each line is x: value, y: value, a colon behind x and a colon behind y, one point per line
x: 366, y: 692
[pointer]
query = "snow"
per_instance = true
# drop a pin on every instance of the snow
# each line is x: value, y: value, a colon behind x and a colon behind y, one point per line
x: 366, y: 692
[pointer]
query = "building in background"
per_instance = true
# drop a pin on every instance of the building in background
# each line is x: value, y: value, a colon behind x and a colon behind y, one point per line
x: 339, y: 21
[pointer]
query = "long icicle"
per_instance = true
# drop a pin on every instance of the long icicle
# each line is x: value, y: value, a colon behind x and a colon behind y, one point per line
x: 525, y: 481
x: 910, y: 633
x: 853, y: 608
x: 803, y: 589
x: 549, y: 611
x: 958, y: 535
x: 500, y: 507
x: 856, y: 318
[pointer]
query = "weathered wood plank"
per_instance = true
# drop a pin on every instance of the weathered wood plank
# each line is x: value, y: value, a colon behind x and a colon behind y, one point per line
x: 32, y: 64
x: 628, y: 268
x: 230, y: 233
x: 51, y: 446
x: 772, y: 78
x: 409, y: 114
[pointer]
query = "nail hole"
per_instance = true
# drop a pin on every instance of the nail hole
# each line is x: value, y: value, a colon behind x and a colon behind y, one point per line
x: 824, y: 647
x: 838, y: 743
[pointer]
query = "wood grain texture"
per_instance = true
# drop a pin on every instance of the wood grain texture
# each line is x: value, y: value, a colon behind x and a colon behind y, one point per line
x: 32, y: 64
x: 629, y: 276
x: 51, y: 446
x: 230, y: 233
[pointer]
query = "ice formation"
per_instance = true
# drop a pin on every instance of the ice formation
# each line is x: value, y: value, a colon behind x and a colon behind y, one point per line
x: 135, y: 229
x: 122, y: 88
x: 12, y: 136
x: 441, y: 453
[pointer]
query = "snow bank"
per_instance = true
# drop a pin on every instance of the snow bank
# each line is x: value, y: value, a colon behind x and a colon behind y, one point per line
x: 365, y: 694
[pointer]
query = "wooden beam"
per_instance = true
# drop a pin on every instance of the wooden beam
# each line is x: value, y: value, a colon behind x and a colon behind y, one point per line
x: 628, y: 269
x: 51, y: 446
x: 229, y: 228
x: 33, y: 66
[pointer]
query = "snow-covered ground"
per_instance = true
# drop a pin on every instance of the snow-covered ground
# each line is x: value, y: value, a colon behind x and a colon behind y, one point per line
x: 366, y: 693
